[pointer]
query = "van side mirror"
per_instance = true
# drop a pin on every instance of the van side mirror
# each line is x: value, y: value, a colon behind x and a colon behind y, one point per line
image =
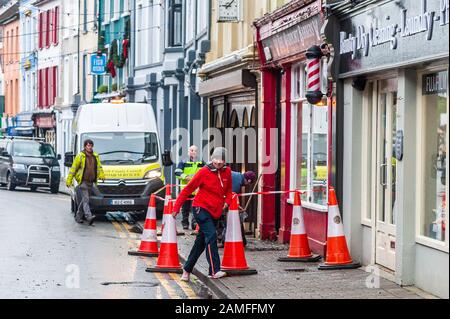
x: 68, y: 159
x: 166, y: 160
x: 58, y: 157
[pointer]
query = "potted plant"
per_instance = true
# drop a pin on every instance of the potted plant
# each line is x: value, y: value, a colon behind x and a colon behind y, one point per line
x: 102, y: 89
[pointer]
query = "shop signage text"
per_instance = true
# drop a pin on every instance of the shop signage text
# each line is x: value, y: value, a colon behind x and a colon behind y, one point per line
x: 434, y: 83
x: 375, y: 35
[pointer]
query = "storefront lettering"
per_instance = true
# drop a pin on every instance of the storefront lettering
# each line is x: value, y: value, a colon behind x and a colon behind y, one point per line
x: 434, y: 83
x: 444, y: 19
x: 387, y: 34
x: 421, y: 23
x: 409, y: 26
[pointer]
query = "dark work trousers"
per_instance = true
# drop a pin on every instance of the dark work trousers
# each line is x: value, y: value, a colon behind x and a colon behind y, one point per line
x: 185, y: 211
x: 83, y: 192
x: 206, y: 239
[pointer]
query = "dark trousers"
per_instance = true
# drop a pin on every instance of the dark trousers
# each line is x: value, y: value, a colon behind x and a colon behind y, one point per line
x: 185, y: 211
x: 206, y: 239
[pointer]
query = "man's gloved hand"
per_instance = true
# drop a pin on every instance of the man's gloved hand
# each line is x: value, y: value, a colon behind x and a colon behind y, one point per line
x: 68, y: 185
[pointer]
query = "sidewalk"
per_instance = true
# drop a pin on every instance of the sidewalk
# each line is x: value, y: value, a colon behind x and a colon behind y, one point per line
x: 303, y: 281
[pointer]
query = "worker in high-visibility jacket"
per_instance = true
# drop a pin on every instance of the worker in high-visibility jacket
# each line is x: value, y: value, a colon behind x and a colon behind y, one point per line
x: 185, y: 171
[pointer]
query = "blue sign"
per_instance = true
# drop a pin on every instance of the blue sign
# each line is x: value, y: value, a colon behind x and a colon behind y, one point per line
x: 98, y: 64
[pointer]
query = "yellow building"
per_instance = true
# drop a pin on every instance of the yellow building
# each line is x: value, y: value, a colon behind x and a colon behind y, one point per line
x: 230, y: 83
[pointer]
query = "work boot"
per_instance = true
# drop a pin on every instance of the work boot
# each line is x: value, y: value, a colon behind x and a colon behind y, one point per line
x: 79, y: 221
x: 90, y: 220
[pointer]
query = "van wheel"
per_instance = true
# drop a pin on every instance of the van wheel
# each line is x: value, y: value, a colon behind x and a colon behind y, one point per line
x: 54, y: 189
x: 9, y: 183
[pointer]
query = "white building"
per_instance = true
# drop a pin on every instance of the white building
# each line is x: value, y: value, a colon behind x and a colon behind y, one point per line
x: 177, y: 32
x: 48, y: 73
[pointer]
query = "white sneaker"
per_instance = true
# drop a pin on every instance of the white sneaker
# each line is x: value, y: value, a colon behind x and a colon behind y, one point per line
x: 218, y: 275
x: 186, y: 276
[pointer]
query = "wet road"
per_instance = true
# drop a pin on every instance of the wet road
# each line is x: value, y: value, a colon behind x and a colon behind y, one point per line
x: 45, y: 254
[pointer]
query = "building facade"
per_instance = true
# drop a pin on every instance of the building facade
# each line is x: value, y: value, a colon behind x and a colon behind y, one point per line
x: 10, y: 24
x: 48, y: 74
x: 114, y: 40
x: 164, y: 73
x: 393, y: 125
x: 303, y: 134
x: 230, y: 87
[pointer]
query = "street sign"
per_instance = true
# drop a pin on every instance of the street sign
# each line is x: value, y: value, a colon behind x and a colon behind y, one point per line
x: 98, y: 64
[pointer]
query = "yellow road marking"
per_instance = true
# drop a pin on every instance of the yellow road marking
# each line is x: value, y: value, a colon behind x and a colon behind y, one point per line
x: 186, y: 288
x: 172, y: 293
x: 130, y: 234
x: 164, y: 282
x: 119, y: 229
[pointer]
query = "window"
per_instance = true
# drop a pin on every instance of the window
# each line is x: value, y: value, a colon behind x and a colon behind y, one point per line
x: 75, y: 74
x: 85, y: 16
x: 126, y: 8
x: 309, y: 134
x: 190, y: 18
x: 56, y: 26
x: 116, y: 10
x: 175, y: 23
x: 434, y: 161
x: 107, y: 11
x: 202, y: 15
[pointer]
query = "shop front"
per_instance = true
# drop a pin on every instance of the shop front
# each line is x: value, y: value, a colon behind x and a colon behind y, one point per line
x: 230, y: 91
x: 45, y: 123
x: 392, y: 88
x: 304, y: 136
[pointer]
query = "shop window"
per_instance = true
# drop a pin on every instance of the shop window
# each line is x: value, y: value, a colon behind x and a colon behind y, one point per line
x: 434, y: 141
x: 310, y: 143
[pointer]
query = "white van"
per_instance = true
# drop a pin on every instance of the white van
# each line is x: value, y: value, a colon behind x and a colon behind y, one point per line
x: 126, y: 138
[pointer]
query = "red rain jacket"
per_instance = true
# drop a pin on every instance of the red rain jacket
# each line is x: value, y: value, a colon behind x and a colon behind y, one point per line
x: 214, y: 190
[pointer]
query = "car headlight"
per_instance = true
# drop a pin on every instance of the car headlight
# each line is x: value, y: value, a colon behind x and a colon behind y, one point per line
x: 153, y: 174
x: 20, y: 167
x: 56, y: 169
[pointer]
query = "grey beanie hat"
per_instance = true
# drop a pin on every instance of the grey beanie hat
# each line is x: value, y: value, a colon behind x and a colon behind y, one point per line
x: 220, y: 153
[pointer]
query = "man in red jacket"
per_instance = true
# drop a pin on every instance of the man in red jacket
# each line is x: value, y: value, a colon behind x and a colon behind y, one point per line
x: 214, y: 186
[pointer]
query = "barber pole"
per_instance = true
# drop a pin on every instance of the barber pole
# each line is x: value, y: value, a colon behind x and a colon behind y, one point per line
x: 314, y: 94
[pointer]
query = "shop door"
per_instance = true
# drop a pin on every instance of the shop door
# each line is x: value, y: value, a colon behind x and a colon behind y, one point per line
x: 386, y: 129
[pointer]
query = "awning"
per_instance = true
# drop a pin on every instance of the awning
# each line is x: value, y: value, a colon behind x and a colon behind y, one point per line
x: 232, y: 81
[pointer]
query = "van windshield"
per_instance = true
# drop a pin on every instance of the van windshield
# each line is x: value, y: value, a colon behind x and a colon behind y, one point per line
x: 33, y: 149
x: 124, y: 147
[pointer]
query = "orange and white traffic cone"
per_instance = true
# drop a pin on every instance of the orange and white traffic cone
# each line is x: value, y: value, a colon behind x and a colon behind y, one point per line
x: 299, y: 250
x: 168, y: 260
x: 149, y: 241
x: 167, y: 200
x: 234, y: 262
x: 338, y: 256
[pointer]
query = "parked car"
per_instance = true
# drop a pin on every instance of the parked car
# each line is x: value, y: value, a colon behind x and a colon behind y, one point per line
x: 30, y: 163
